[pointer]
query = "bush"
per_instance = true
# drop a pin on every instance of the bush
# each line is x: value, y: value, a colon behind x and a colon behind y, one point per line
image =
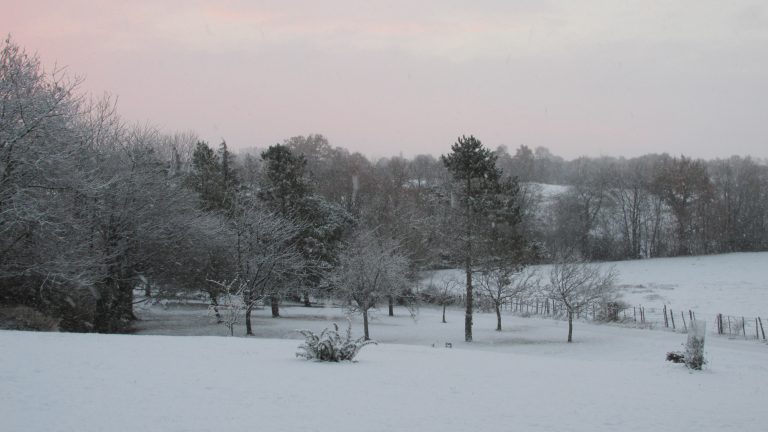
x: 693, y: 357
x: 610, y: 310
x: 26, y: 318
x: 694, y: 348
x: 330, y: 346
x: 676, y: 357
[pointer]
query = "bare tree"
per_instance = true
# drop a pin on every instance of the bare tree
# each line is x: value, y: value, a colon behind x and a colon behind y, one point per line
x: 577, y: 285
x: 503, y: 284
x: 369, y: 270
x: 444, y: 293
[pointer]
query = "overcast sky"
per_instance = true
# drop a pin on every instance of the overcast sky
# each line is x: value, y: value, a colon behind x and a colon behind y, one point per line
x: 616, y: 78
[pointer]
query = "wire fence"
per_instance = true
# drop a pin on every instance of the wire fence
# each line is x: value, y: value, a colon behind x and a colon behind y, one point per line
x: 664, y: 317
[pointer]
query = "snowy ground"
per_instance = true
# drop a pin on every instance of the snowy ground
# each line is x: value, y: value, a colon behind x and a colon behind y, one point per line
x: 525, y: 378
x: 732, y: 284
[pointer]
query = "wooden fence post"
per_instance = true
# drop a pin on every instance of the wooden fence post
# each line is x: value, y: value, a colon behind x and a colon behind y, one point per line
x: 685, y: 326
x: 666, y: 321
x: 671, y: 315
x: 761, y: 326
x: 744, y: 327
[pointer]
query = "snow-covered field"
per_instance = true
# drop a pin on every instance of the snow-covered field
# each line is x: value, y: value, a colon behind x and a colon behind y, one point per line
x: 524, y: 378
x: 731, y: 284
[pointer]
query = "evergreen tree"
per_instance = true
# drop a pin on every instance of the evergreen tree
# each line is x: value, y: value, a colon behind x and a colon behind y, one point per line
x: 474, y: 168
x: 228, y: 180
x: 205, y: 178
x: 285, y: 185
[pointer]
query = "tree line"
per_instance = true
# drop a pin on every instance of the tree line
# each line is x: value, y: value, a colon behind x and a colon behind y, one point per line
x: 93, y: 208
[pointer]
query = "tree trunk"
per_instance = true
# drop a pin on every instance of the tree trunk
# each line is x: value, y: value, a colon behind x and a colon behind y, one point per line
x: 248, y: 309
x: 498, y: 317
x: 247, y: 299
x: 275, y: 303
x: 444, y: 314
x: 468, y: 221
x: 306, y: 299
x: 215, y: 304
x: 468, y: 313
x: 391, y: 305
x: 365, y: 324
x: 570, y: 326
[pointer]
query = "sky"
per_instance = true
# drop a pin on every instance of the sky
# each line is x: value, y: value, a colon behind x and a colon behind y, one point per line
x: 595, y: 78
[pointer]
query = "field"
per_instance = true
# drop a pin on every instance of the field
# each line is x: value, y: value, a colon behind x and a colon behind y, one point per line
x: 524, y: 378
x: 732, y: 284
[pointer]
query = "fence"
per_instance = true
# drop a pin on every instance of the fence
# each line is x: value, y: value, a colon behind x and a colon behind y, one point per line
x: 640, y: 316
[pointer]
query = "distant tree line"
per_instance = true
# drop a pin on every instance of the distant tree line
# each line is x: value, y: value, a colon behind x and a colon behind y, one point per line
x: 655, y: 205
x: 93, y: 209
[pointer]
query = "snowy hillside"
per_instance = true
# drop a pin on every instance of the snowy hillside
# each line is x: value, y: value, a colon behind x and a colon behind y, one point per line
x: 731, y: 284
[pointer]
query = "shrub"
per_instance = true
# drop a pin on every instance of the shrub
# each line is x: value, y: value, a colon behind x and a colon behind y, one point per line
x: 694, y: 348
x: 693, y: 357
x: 330, y: 346
x: 26, y: 318
x: 676, y: 357
x: 609, y: 310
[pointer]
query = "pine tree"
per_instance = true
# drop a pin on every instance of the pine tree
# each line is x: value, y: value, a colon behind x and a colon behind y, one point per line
x: 205, y: 178
x: 474, y: 168
x: 285, y: 185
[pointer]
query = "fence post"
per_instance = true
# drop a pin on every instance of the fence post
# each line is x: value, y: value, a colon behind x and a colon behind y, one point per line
x: 666, y: 321
x: 757, y: 331
x: 685, y: 326
x: 744, y: 327
x: 761, y: 326
x: 671, y: 315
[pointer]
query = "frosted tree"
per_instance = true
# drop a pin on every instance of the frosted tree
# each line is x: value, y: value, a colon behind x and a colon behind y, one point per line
x: 578, y: 285
x: 504, y: 284
x: 444, y: 293
x: 370, y: 269
x: 229, y: 311
x: 267, y: 255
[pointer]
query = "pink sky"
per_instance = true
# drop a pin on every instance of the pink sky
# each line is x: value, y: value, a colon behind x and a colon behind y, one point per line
x: 383, y: 78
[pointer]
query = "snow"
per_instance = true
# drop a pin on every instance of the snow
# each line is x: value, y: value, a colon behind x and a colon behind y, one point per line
x: 524, y: 378
x: 732, y: 284
x: 548, y: 192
